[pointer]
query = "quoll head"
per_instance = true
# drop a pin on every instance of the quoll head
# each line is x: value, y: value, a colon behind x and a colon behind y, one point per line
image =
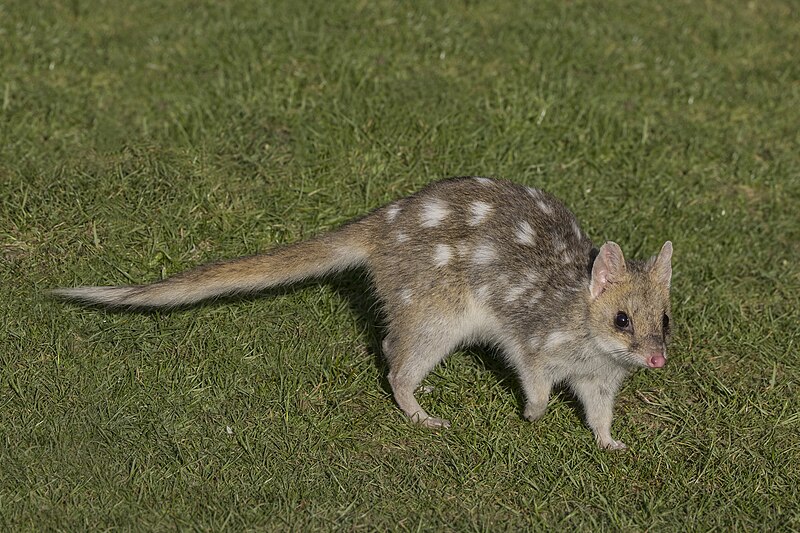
x: 629, y: 306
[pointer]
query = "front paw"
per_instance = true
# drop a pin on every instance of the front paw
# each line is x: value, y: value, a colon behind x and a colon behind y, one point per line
x: 534, y: 411
x: 434, y: 423
x: 612, y: 444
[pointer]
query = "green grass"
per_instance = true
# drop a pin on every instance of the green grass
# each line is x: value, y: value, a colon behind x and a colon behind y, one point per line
x: 137, y: 140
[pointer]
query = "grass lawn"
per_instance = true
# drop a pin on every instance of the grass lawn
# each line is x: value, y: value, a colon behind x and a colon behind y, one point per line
x: 138, y: 139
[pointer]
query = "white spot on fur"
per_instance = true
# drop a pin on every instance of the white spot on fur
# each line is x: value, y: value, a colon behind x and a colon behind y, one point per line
x: 484, y: 254
x: 402, y: 237
x: 524, y: 233
x: 392, y: 213
x: 567, y: 258
x: 557, y: 338
x: 433, y: 212
x: 484, y: 181
x: 479, y: 212
x: 482, y: 294
x: 442, y: 254
x: 515, y: 292
x: 534, y: 192
x: 576, y: 230
x: 544, y: 208
x: 405, y: 296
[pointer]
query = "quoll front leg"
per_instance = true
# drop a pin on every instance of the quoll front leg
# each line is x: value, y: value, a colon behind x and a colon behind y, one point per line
x: 537, y: 393
x: 597, y: 398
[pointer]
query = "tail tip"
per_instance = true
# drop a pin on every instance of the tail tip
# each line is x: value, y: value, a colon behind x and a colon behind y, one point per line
x: 106, y: 296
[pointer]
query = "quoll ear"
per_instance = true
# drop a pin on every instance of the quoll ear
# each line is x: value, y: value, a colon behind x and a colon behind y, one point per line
x: 662, y: 265
x: 609, y: 266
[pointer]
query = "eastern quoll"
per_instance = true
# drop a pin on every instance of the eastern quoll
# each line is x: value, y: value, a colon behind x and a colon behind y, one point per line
x: 463, y: 261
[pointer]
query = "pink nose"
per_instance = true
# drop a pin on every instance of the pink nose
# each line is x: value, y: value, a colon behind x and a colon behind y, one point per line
x: 656, y: 360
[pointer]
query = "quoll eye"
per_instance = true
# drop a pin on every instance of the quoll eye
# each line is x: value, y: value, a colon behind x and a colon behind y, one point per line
x: 621, y: 320
x: 665, y: 322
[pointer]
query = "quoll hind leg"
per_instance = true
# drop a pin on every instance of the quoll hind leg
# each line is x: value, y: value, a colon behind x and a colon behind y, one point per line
x: 410, y: 360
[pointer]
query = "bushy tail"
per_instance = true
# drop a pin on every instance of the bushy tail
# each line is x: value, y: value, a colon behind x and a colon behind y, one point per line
x: 346, y: 247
